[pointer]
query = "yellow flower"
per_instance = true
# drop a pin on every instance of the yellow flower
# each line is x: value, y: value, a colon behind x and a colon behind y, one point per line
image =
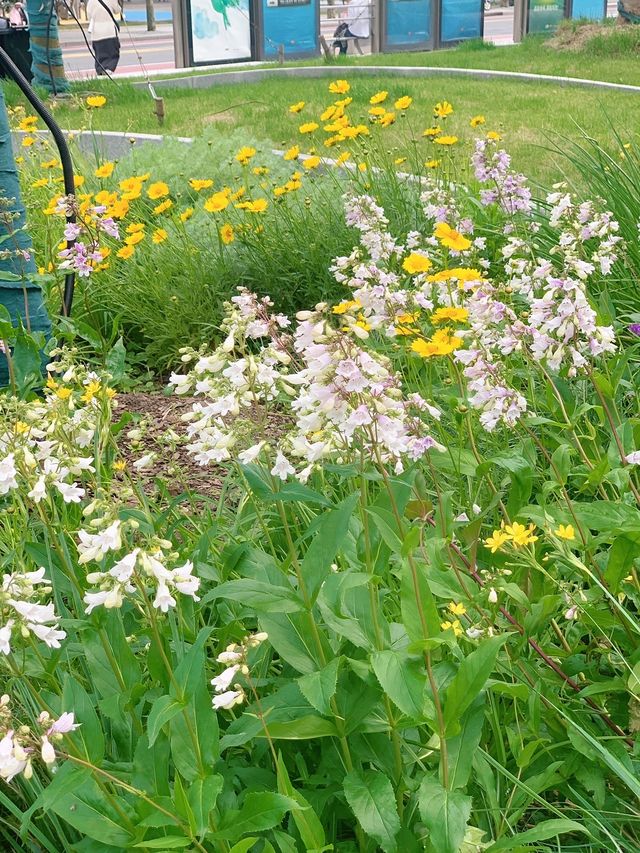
x: 126, y: 252
x: 238, y: 194
x: 494, y: 136
x: 28, y: 124
x: 296, y: 108
x: 342, y: 158
x: 292, y: 153
x: 339, y: 87
x: 377, y: 111
x: 159, y: 236
x: 348, y: 305
x: 135, y: 238
x: 457, y: 609
x: 387, y: 119
x: 520, y: 535
x: 442, y: 109
x: 260, y: 170
x: 131, y: 188
x: 342, y: 104
x: 445, y: 140
x: 119, y: 465
x: 450, y: 238
x: 51, y: 383
x: 442, y: 342
x: 454, y: 626
x: 565, y: 532
x: 227, y: 234
x: 245, y: 154
x: 432, y: 164
x: 163, y: 206
x: 105, y: 171
x: 78, y: 180
x: 157, y: 190
x: 135, y: 227
x: 63, y: 393
x: 453, y: 315
x: 432, y: 131
x: 50, y: 164
x: 28, y: 141
x: 399, y: 161
x: 362, y: 167
x: 403, y: 103
x: 311, y: 162
x: 19, y: 160
x: 258, y: 206
x: 309, y: 127
x: 41, y: 182
x: 328, y: 113
x: 21, y: 427
x: 496, y: 540
x: 186, y: 214
x: 94, y: 102
x: 119, y: 209
x: 477, y: 120
x: 197, y: 184
x: 379, y: 97
x: 415, y: 263
x: 90, y: 391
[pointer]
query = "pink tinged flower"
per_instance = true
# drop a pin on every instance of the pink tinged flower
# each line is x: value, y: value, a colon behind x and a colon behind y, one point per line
x: 572, y: 612
x: 633, y: 458
x: 223, y: 681
x: 282, y: 468
x: 227, y: 700
x: 65, y: 723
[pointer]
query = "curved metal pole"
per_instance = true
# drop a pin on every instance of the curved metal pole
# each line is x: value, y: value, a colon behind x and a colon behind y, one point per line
x: 65, y: 159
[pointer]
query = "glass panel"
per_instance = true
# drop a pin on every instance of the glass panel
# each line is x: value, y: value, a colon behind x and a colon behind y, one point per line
x: 220, y: 30
x: 545, y: 15
x: 408, y: 21
x: 291, y: 23
x: 460, y: 19
x: 594, y: 10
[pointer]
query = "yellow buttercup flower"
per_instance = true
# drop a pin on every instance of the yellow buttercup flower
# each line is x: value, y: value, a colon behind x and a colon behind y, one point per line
x: 227, y: 234
x: 63, y: 393
x: 347, y: 305
x: 217, y: 202
x: 245, y: 154
x: 432, y: 164
x: 157, y: 190
x: 520, y: 535
x: 453, y: 315
x: 565, y: 532
x: 496, y: 540
x: 159, y: 236
x: 432, y: 131
x: 456, y: 608
x: 186, y: 214
x: 445, y: 140
x: 135, y: 227
x: 95, y: 102
x: 495, y: 137
x: 309, y: 127
x: 403, y: 103
x: 28, y: 124
x: 379, y: 97
x: 292, y: 153
x: 451, y: 238
x: 135, y: 238
x: 200, y: 184
x: 105, y: 171
x: 442, y: 109
x: 28, y: 141
x: 165, y: 205
x: 477, y: 120
x: 454, y: 626
x: 415, y: 264
x: 126, y: 252
x: 339, y: 87
x: 296, y: 108
x: 311, y: 162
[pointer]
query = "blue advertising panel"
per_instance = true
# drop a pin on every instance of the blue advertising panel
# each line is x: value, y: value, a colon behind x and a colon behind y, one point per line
x: 461, y: 19
x: 594, y: 10
x: 292, y: 23
x: 407, y: 23
x: 544, y: 16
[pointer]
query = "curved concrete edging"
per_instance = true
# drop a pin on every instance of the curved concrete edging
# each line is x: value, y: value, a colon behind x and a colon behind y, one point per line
x: 253, y: 75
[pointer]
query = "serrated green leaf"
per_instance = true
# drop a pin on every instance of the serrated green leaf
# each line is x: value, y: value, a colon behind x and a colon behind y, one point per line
x: 470, y: 678
x: 371, y: 798
x: 319, y: 687
x: 445, y: 813
x: 542, y: 832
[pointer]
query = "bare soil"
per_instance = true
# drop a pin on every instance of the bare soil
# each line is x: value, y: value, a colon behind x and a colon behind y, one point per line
x: 574, y: 38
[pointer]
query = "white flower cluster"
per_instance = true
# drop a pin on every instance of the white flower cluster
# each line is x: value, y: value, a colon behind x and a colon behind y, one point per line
x: 18, y: 744
x: 228, y: 692
x: 22, y: 611
x: 138, y: 569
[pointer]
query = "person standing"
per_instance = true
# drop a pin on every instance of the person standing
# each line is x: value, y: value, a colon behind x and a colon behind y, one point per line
x: 358, y: 25
x: 105, y: 34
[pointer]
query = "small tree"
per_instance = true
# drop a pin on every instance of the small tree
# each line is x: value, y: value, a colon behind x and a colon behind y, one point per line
x: 20, y: 295
x: 46, y: 53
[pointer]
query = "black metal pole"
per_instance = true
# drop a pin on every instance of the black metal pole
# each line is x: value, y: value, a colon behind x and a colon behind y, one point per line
x: 65, y: 159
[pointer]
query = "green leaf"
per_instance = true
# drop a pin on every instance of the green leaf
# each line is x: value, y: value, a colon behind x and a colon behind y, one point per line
x: 403, y: 680
x: 260, y: 595
x: 387, y: 527
x: 202, y: 795
x: 330, y: 535
x: 167, y: 842
x: 115, y: 360
x: 88, y: 811
x: 622, y: 553
x: 244, y: 845
x: 543, y: 831
x: 371, y: 798
x: 26, y: 359
x: 419, y: 611
x: 90, y: 732
x: 304, y: 817
x: 319, y: 687
x: 259, y: 811
x: 445, y: 813
x: 470, y: 678
x: 162, y: 710
x: 189, y: 673
x: 462, y: 747
x: 194, y: 736
x: 304, y: 728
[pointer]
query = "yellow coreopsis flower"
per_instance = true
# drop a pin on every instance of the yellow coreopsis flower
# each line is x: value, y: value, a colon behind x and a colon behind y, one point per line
x: 216, y: 202
x: 362, y: 167
x: 200, y: 184
x: 432, y: 164
x: 495, y: 137
x: 135, y: 238
x: 90, y: 391
x: 442, y: 109
x: 347, y: 305
x: 157, y: 190
x: 227, y: 234
x: 159, y: 236
x: 342, y: 158
x: 445, y: 140
x: 311, y: 162
x: 119, y: 209
x: 63, y: 393
x: 445, y: 341
x: 50, y: 164
x: 135, y: 227
x: 28, y: 124
x: 260, y: 170
x: 308, y: 127
x: 415, y: 264
x: 342, y: 104
x: 451, y: 238
x: 245, y: 154
x: 95, y: 102
x: 387, y: 119
x: 28, y: 141
x: 165, y: 205
x: 296, y: 108
x: 377, y: 111
x: 186, y: 214
x: 292, y: 153
x: 339, y: 87
x: 453, y: 315
x: 379, y: 97
x: 125, y: 252
x: 119, y: 465
x: 258, y: 206
x: 105, y: 171
x: 403, y: 103
x: 432, y: 131
x: 131, y: 185
x: 328, y: 113
x: 41, y: 182
x: 565, y: 532
x: 477, y: 120
x: 520, y: 535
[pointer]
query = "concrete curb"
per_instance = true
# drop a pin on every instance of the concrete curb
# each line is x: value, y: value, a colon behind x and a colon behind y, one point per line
x: 204, y: 81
